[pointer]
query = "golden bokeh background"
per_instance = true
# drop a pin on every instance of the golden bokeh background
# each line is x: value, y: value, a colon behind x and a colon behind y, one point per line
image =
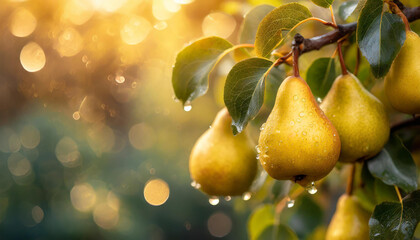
x: 92, y: 143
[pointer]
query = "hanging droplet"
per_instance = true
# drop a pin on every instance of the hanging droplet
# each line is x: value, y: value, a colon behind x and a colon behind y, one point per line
x: 187, y: 106
x: 258, y: 148
x: 246, y: 196
x: 214, y: 200
x: 210, y: 126
x: 290, y: 202
x: 319, y: 100
x: 258, y: 156
x: 262, y: 127
x: 311, y: 188
x: 228, y: 198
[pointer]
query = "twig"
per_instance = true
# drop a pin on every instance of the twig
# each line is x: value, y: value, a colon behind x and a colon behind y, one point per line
x: 318, y: 42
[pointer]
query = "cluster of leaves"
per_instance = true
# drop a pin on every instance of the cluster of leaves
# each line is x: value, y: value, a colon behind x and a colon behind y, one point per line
x: 379, y: 36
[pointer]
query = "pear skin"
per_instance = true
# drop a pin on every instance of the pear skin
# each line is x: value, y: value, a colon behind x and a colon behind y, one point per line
x: 298, y: 141
x: 402, y: 83
x: 223, y: 164
x: 350, y: 221
x: 359, y: 117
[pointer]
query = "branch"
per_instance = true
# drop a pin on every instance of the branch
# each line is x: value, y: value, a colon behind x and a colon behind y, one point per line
x: 318, y: 42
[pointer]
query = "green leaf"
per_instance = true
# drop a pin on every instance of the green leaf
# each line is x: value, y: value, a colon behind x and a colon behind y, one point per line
x: 380, y: 36
x: 396, y: 221
x: 249, y: 26
x: 320, y: 76
x: 346, y: 9
x: 260, y: 219
x: 244, y: 91
x: 365, y: 192
x: 384, y: 193
x: 277, y: 232
x: 283, y: 18
x: 193, y: 65
x: 272, y: 84
x: 304, y: 217
x: 323, y: 3
x: 394, y: 165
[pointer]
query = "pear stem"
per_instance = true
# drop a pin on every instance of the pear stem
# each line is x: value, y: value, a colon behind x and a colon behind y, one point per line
x: 349, y: 189
x: 340, y: 54
x: 298, y: 39
x: 395, y: 9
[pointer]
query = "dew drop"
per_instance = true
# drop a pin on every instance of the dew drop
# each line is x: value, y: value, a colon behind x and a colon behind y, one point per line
x: 258, y: 148
x: 312, y: 189
x: 295, y: 97
x: 258, y: 156
x: 195, y: 185
x: 76, y: 115
x: 298, y: 120
x: 319, y: 100
x: 303, y: 100
x: 134, y: 84
x: 290, y: 203
x: 187, y: 106
x: 262, y: 127
x: 119, y: 79
x: 246, y: 196
x: 214, y: 200
x: 366, y: 148
x: 210, y: 126
x: 228, y: 198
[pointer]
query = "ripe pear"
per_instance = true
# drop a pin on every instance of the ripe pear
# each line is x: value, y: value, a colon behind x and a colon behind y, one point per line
x: 402, y: 83
x: 221, y: 163
x: 359, y: 117
x: 298, y: 142
x: 350, y: 221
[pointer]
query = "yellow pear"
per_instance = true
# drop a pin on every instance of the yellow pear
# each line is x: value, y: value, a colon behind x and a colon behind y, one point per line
x: 350, y: 221
x: 223, y: 164
x: 402, y: 83
x: 359, y: 117
x: 298, y: 142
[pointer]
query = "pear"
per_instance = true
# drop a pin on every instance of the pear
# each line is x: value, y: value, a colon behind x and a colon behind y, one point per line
x: 359, y: 117
x: 350, y: 221
x: 223, y: 164
x: 298, y: 142
x: 402, y: 83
